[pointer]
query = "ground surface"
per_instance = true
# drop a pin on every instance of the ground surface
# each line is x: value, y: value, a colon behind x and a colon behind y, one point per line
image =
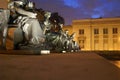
x: 75, y: 66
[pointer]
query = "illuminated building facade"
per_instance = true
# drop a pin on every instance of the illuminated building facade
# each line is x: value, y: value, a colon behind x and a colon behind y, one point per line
x: 97, y: 34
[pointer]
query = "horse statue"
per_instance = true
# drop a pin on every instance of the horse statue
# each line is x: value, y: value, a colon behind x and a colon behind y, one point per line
x: 4, y: 18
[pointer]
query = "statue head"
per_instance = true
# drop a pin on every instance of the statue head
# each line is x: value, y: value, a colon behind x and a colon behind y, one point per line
x: 61, y: 25
x: 30, y: 5
x: 47, y: 14
x: 20, y: 2
x: 24, y: 1
x: 66, y: 31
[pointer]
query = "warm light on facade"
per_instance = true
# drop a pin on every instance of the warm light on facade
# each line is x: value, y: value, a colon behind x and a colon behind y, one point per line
x: 97, y: 34
x: 119, y: 39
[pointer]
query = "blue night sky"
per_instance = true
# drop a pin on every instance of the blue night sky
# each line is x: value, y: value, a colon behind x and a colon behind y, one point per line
x: 80, y: 9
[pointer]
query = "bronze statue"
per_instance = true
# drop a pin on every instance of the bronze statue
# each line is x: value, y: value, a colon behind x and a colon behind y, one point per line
x: 39, y: 29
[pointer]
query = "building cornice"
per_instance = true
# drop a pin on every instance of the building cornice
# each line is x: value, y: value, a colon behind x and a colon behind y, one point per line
x: 96, y: 21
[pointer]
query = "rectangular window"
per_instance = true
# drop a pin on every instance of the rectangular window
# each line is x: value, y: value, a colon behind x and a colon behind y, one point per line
x: 81, y: 42
x: 105, y: 44
x: 105, y: 31
x: 115, y: 30
x: 81, y: 31
x: 115, y: 44
x: 96, y: 31
x: 96, y: 44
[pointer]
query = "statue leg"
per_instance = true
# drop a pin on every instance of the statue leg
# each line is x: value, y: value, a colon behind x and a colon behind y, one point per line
x: 4, y: 34
x: 18, y: 37
x: 37, y: 32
